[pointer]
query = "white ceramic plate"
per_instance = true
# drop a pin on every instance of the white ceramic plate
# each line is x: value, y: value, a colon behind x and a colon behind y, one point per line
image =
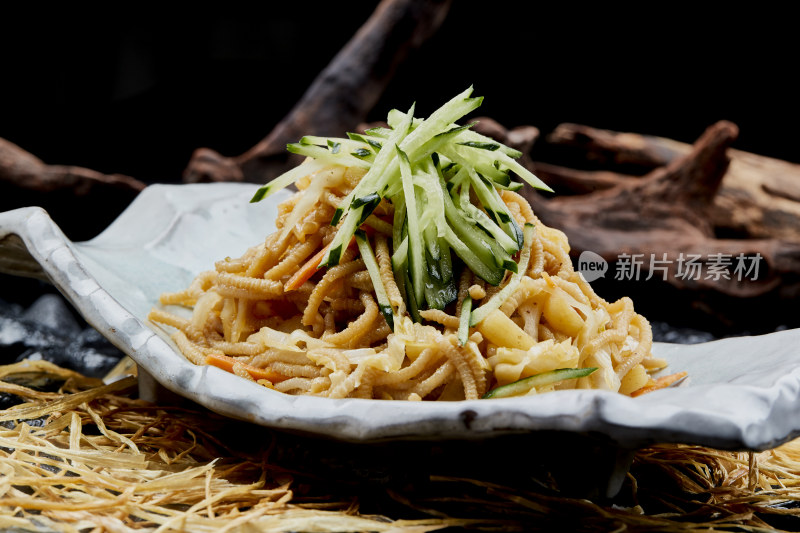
x: 743, y: 393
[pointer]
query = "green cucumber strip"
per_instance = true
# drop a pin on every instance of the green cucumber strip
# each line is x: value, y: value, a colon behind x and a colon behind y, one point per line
x: 366, y: 212
x: 491, y: 146
x: 446, y: 262
x: 356, y: 216
x: 523, y: 172
x: 510, y: 265
x: 471, y: 136
x: 510, y: 245
x: 524, y: 385
x: 385, y: 167
x: 322, y: 141
x: 432, y: 283
x: 475, y: 137
x: 400, y: 269
x: 374, y: 272
x: 287, y: 178
x: 379, y: 132
x: 501, y: 296
x: 448, y: 168
x: 395, y: 116
x: 512, y: 186
x: 481, y: 253
x: 337, y: 215
x: 462, y: 178
x: 333, y: 255
x: 398, y: 220
x: 458, y: 179
x: 394, y: 188
x: 366, y: 204
x: 356, y: 145
x: 480, y: 157
x: 474, y: 159
x: 463, y: 320
x: 323, y: 154
x: 416, y: 253
x: 422, y: 141
x: 431, y: 240
x: 400, y: 256
x: 432, y: 184
x: 440, y: 295
x: 473, y: 237
x: 456, y: 107
x: 440, y: 120
x: 363, y: 153
x: 373, y: 181
x: 494, y: 206
x: 479, y: 238
x: 366, y: 139
x: 440, y: 139
x: 439, y: 291
x: 426, y: 213
x: 501, y: 180
x: 411, y: 300
x: 365, y: 200
x: 484, y: 267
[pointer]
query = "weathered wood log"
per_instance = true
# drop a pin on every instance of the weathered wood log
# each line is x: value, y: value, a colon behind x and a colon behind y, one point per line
x: 759, y: 197
x: 22, y: 169
x: 705, y: 202
x: 672, y: 199
x: 339, y: 98
x: 82, y: 201
x: 569, y: 181
x: 612, y: 149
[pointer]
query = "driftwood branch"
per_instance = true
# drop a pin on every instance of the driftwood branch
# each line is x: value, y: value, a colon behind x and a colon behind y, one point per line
x: 19, y: 168
x: 80, y: 199
x: 647, y: 212
x: 339, y: 98
x: 705, y: 201
x: 759, y: 196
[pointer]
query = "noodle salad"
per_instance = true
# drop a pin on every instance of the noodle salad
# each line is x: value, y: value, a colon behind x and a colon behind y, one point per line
x: 408, y: 266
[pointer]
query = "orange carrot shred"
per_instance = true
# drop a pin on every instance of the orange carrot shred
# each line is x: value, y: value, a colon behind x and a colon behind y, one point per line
x: 305, y: 272
x: 226, y: 363
x: 660, y: 383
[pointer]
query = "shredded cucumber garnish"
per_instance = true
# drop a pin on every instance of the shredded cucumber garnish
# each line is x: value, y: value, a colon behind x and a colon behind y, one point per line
x: 463, y: 320
x: 524, y: 385
x: 309, y: 166
x: 444, y: 182
x: 497, y: 300
x: 375, y: 275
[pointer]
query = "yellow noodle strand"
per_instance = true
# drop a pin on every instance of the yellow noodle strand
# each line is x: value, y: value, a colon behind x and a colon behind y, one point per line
x: 240, y: 309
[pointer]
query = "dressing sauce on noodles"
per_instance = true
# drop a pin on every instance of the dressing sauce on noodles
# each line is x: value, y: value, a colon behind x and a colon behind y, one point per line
x: 327, y: 337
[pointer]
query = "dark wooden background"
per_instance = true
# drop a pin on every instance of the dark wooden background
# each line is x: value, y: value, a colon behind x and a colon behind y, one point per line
x: 135, y: 92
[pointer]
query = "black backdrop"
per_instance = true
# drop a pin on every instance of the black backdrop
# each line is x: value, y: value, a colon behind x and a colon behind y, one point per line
x: 136, y: 92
